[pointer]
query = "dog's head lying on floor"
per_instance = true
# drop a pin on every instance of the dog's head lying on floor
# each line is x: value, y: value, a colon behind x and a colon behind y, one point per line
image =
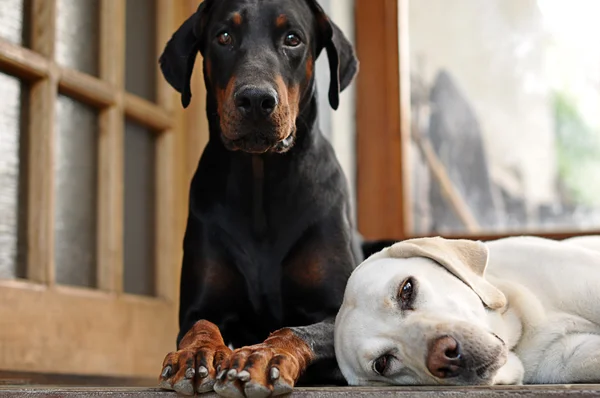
x: 415, y: 313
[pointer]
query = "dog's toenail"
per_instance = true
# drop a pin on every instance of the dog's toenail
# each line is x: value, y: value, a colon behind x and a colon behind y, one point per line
x: 189, y: 373
x: 202, y: 371
x: 231, y: 374
x: 244, y: 376
x: 274, y: 374
x: 221, y: 374
x: 166, y: 372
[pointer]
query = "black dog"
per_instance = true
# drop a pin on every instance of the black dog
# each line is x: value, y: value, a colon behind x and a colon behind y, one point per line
x: 270, y: 240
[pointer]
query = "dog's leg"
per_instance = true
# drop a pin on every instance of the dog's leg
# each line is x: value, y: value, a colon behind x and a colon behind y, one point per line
x: 574, y: 358
x: 195, y: 366
x: 512, y: 372
x: 273, y: 367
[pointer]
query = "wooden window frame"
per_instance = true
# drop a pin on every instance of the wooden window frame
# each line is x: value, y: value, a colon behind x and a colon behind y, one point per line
x: 383, y: 128
x: 102, y: 331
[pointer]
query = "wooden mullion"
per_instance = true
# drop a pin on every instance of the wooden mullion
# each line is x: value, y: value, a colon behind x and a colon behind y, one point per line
x: 86, y: 88
x: 147, y: 113
x: 165, y: 219
x: 22, y: 62
x: 41, y: 133
x: 32, y: 66
x: 110, y: 189
x: 43, y: 27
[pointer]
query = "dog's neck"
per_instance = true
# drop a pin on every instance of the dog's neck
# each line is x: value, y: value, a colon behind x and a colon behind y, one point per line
x: 516, y: 319
x: 259, y: 221
x: 265, y: 170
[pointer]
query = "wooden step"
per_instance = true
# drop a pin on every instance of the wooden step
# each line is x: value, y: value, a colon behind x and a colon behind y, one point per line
x: 555, y: 391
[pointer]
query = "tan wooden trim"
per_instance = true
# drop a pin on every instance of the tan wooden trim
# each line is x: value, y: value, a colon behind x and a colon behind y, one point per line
x: 29, y: 379
x: 165, y: 216
x: 86, y: 88
x: 43, y: 27
x: 110, y: 201
x: 168, y: 16
x: 76, y: 291
x: 31, y: 66
x: 22, y: 62
x: 165, y: 253
x: 40, y: 157
x: 111, y: 150
x: 66, y: 332
x: 405, y: 113
x: 378, y: 121
x: 557, y: 234
x: 148, y: 114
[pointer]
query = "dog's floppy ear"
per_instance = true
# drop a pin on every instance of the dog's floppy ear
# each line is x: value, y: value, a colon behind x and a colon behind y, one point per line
x: 466, y: 259
x: 178, y: 57
x: 343, y: 64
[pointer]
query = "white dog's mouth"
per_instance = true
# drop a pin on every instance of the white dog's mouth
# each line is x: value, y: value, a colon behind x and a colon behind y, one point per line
x: 466, y: 360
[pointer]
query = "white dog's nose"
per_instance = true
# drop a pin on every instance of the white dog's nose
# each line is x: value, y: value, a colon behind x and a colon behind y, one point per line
x: 444, y: 357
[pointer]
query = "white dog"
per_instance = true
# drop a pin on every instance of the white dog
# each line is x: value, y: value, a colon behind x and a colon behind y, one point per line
x: 457, y: 312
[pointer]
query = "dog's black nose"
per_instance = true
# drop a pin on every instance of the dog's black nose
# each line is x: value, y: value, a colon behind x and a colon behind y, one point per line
x: 444, y: 358
x: 256, y: 102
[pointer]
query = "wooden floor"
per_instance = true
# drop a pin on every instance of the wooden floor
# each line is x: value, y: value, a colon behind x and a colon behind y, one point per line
x: 349, y: 392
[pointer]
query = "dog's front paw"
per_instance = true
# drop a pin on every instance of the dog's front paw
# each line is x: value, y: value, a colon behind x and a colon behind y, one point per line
x: 194, y: 367
x: 267, y: 369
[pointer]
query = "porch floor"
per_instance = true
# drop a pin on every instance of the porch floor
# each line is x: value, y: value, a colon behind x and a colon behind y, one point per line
x: 579, y: 390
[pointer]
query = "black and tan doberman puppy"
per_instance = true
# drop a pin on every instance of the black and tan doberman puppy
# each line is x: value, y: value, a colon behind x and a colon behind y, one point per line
x: 270, y: 241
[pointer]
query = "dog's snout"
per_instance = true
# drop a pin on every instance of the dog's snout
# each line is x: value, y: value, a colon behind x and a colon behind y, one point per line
x: 256, y: 102
x: 444, y: 358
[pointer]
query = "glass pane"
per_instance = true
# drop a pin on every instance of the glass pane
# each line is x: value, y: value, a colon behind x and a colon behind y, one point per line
x: 76, y: 192
x: 11, y: 20
x: 140, y: 164
x: 141, y: 58
x: 77, y: 34
x: 11, y: 210
x: 507, y: 93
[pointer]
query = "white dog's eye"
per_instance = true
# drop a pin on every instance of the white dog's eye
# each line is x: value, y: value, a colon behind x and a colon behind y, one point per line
x: 381, y: 364
x: 406, y: 293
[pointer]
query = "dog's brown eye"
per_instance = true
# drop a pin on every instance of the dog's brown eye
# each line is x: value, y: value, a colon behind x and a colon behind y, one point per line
x: 380, y: 365
x: 406, y: 292
x: 224, y: 39
x: 292, y: 40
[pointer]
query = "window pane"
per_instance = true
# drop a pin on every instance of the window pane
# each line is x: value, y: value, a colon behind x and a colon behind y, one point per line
x: 512, y: 115
x: 11, y: 203
x: 141, y: 58
x: 139, y: 210
x: 77, y: 34
x: 11, y: 20
x: 76, y: 192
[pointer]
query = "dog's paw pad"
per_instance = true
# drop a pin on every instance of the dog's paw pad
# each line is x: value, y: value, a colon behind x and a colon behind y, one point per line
x: 228, y: 389
x: 281, y: 387
x: 255, y: 390
x: 184, y: 386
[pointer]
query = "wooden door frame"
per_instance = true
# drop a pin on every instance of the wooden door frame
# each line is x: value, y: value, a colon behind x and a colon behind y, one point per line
x: 383, y: 126
x: 109, y: 330
x: 380, y: 117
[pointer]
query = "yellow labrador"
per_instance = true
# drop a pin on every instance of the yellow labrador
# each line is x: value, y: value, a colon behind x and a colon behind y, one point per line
x: 456, y: 312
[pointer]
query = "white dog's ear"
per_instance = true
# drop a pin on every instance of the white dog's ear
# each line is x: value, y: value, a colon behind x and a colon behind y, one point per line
x: 466, y: 259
